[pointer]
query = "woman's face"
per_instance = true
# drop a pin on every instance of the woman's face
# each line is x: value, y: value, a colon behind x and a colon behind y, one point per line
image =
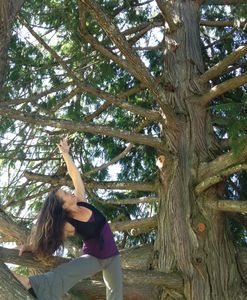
x: 69, y: 199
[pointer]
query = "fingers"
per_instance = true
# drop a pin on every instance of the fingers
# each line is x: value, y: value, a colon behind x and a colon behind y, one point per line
x: 63, y: 145
x: 21, y: 250
x: 64, y: 141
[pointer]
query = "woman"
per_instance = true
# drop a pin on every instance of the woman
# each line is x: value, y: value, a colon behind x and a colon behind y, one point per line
x: 64, y: 214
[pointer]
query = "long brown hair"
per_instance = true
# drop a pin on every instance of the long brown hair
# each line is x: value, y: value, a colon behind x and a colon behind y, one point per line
x: 48, y: 233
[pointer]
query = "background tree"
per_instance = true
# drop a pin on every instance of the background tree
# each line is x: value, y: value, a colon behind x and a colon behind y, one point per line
x: 8, y: 11
x: 156, y: 88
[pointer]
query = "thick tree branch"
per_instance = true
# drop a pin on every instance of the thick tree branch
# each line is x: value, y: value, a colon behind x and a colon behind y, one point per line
x: 60, y: 181
x: 167, y: 14
x: 95, y: 290
x: 221, y: 163
x: 145, y: 224
x: 17, y: 290
x: 205, y: 184
x: 171, y: 280
x: 138, y: 258
x: 210, y: 23
x: 222, y: 66
x: 227, y: 205
x: 81, y: 127
x: 221, y: 88
x: 12, y: 229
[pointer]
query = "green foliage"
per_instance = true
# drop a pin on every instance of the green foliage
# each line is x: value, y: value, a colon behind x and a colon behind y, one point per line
x: 32, y: 70
x: 22, y: 270
x: 232, y: 116
x: 238, y: 232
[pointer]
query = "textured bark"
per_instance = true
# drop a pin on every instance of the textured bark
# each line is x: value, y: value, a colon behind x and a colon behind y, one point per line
x: 242, y: 262
x: 145, y: 224
x: 139, y: 285
x: 11, y: 289
x: 222, y: 88
x: 95, y: 290
x: 139, y: 258
x: 208, y: 182
x: 222, y: 66
x: 190, y: 238
x: 227, y: 205
x: 132, y: 276
x: 221, y: 163
x: 11, y: 229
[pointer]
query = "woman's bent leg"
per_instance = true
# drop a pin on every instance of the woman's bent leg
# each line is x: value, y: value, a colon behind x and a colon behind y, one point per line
x: 113, y: 279
x: 52, y: 285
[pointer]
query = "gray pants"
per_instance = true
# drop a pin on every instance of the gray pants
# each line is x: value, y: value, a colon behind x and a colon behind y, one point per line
x: 54, y: 284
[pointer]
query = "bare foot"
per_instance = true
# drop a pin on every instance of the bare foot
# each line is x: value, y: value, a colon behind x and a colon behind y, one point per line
x: 23, y: 280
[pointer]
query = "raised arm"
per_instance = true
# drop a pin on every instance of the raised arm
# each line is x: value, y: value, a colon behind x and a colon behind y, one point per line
x: 72, y: 170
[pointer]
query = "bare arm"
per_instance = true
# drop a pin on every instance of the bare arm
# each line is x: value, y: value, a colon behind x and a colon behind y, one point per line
x: 72, y: 170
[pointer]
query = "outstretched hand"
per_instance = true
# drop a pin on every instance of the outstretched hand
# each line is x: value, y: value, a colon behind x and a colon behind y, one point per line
x: 63, y: 146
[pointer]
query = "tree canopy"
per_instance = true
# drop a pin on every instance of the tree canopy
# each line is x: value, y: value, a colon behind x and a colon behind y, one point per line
x: 115, y: 77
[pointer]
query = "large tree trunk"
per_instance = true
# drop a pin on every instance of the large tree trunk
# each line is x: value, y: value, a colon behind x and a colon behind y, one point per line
x: 8, y: 11
x: 190, y: 238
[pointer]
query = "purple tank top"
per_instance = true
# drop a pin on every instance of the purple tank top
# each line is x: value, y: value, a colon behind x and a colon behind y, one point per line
x: 93, y: 246
x: 96, y: 234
